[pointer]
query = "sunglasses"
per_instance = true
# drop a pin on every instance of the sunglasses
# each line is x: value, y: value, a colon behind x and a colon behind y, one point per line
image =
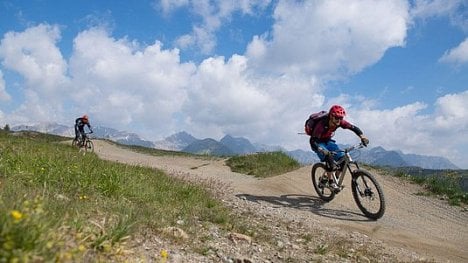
x: 337, y: 118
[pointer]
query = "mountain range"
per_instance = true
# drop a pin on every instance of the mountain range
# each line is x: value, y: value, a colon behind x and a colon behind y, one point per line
x: 229, y: 146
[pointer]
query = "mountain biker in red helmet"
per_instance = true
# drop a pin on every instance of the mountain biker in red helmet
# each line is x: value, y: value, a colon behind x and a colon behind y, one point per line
x: 79, y: 127
x: 321, y: 140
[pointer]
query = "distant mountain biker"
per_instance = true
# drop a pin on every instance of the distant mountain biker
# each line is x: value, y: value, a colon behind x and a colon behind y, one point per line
x: 321, y: 140
x: 79, y: 127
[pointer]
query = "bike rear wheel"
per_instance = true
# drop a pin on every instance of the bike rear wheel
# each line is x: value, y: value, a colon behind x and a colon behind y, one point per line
x: 318, y: 172
x: 368, y: 194
x: 75, y: 142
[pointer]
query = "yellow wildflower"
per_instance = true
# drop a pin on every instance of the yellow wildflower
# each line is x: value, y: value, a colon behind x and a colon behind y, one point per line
x: 164, y: 254
x: 81, y: 248
x: 17, y: 215
x: 49, y: 245
x: 106, y: 247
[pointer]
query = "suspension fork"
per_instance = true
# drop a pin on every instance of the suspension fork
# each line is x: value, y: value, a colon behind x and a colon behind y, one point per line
x: 351, y: 170
x: 364, y: 179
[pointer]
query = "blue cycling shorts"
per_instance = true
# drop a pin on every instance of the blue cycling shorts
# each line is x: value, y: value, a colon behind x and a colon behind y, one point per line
x: 332, y: 147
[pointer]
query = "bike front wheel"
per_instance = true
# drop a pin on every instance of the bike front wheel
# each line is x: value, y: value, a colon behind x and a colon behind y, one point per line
x: 318, y: 173
x: 89, y: 146
x: 368, y: 194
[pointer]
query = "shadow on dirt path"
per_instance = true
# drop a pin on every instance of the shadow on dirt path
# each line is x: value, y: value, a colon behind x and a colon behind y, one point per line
x: 307, y: 203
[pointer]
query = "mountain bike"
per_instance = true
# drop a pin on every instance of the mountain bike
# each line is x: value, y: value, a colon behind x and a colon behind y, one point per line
x: 367, y: 192
x: 85, y: 145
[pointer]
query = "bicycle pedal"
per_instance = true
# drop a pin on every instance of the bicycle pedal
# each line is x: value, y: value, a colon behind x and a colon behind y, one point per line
x: 337, y: 190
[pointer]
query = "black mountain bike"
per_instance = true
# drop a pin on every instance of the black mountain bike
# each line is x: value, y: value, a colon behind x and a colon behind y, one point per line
x: 367, y: 192
x: 85, y: 145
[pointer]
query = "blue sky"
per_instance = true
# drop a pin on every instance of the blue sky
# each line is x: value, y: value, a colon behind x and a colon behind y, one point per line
x: 255, y: 68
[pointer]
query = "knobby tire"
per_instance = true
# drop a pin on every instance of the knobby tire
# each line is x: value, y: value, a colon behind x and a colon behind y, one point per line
x: 365, y: 189
x: 318, y: 170
x: 89, y: 146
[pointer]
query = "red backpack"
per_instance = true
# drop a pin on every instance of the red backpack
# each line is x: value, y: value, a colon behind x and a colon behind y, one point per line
x: 312, y: 121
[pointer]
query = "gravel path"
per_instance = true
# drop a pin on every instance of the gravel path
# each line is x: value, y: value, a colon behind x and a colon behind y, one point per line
x: 414, y: 227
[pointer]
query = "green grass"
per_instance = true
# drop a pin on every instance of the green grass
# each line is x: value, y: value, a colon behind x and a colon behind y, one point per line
x: 443, y: 183
x: 59, y: 205
x: 263, y: 164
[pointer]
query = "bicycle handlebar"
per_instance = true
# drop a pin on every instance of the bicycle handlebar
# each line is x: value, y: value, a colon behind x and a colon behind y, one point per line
x: 355, y: 147
x: 352, y: 148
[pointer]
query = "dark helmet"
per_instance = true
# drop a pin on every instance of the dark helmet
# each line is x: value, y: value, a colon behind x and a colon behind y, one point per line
x: 337, y: 111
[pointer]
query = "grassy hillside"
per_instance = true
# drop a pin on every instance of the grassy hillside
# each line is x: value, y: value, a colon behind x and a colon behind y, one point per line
x: 58, y: 205
x: 159, y: 152
x: 263, y: 164
x: 448, y: 183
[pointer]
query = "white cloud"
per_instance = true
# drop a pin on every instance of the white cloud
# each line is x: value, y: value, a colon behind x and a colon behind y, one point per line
x: 454, y: 9
x: 168, y: 6
x: 125, y: 84
x: 212, y: 14
x: 408, y: 128
x: 429, y: 8
x: 35, y: 56
x: 330, y: 37
x: 4, y: 96
x: 452, y: 113
x: 457, y: 55
x: 226, y: 98
x: 201, y: 38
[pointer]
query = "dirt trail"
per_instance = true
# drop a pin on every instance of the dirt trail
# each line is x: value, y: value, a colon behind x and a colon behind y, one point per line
x: 425, y: 225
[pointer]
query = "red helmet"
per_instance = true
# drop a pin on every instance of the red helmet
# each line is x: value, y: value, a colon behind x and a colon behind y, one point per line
x: 85, y: 118
x: 337, y: 111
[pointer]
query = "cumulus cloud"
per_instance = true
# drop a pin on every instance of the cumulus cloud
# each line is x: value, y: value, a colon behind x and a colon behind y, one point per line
x: 411, y: 129
x: 4, y: 96
x: 452, y: 114
x: 457, y: 55
x: 212, y: 15
x: 35, y: 56
x: 231, y: 99
x: 429, y: 8
x: 126, y: 84
x: 167, y: 6
x: 455, y: 10
x: 330, y: 37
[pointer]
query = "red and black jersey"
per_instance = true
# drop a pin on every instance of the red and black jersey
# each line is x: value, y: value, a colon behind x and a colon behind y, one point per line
x: 323, y: 132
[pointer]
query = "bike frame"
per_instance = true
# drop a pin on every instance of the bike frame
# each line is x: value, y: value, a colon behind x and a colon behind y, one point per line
x: 86, y: 138
x: 346, y: 163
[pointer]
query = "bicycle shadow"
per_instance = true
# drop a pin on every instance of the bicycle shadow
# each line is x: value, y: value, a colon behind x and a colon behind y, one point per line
x: 307, y: 203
